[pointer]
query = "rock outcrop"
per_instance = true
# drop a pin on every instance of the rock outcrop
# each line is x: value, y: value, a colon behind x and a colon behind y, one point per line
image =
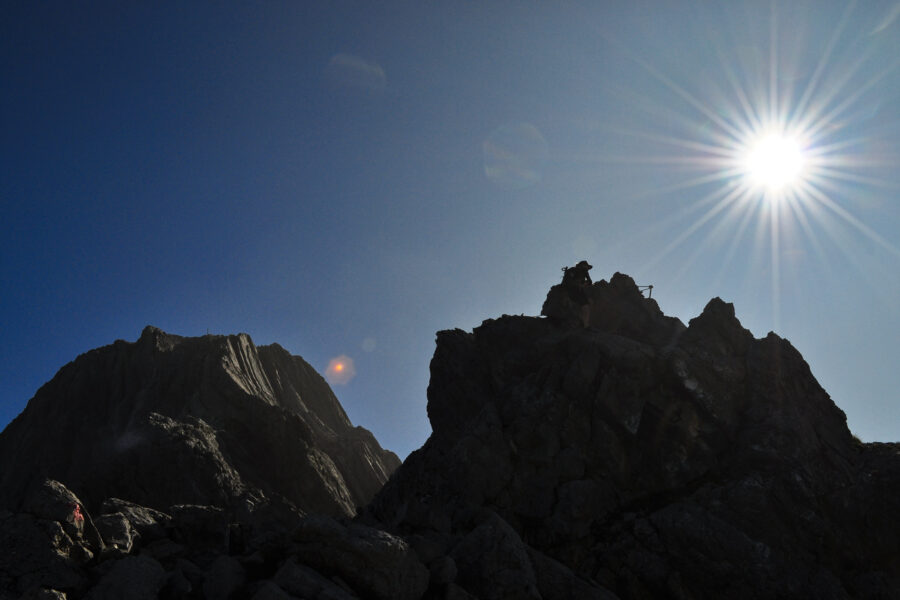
x: 195, y: 551
x: 211, y: 420
x: 615, y: 451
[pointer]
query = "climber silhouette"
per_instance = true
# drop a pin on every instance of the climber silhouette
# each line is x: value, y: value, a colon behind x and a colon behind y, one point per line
x: 577, y: 276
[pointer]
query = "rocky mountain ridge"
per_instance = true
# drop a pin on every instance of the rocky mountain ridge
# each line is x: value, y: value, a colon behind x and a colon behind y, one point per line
x: 211, y: 420
x: 603, y: 450
x: 648, y: 457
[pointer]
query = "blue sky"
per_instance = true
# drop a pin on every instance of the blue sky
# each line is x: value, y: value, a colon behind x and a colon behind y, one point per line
x: 346, y: 179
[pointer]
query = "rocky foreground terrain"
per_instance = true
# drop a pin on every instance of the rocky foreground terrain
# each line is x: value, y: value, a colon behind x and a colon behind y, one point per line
x: 603, y: 450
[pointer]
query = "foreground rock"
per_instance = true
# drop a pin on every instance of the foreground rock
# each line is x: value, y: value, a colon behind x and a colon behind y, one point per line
x: 195, y: 551
x: 212, y: 420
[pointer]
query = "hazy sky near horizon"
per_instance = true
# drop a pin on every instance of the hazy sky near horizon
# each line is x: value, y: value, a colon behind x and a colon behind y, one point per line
x: 347, y: 178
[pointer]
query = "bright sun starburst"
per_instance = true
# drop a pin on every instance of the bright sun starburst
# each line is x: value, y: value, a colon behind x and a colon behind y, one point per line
x: 774, y: 162
x: 779, y: 162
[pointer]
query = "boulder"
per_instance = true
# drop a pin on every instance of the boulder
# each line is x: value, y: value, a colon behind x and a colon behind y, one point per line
x: 373, y: 562
x: 37, y: 555
x: 52, y: 501
x: 44, y: 594
x: 269, y: 590
x: 303, y: 582
x: 493, y: 563
x: 201, y: 528
x: 117, y: 531
x: 131, y: 578
x: 224, y: 579
x: 148, y: 523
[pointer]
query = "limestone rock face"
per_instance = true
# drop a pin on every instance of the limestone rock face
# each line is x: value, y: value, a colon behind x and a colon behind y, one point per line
x: 626, y: 453
x: 212, y: 420
x: 45, y: 547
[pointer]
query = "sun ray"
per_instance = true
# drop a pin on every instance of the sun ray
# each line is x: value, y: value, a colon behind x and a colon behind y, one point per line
x: 721, y: 205
x: 686, y: 121
x: 837, y: 175
x: 718, y: 231
x: 687, y: 144
x: 716, y: 177
x: 775, y: 241
x: 826, y: 150
x: 751, y: 115
x: 837, y: 230
x: 823, y: 61
x: 749, y: 210
x: 853, y: 221
x: 829, y: 118
x: 799, y: 209
x: 659, y: 226
x: 773, y: 62
x: 685, y: 95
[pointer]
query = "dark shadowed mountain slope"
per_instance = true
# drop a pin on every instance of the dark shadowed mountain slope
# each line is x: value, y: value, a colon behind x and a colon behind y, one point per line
x: 211, y: 420
x: 644, y: 458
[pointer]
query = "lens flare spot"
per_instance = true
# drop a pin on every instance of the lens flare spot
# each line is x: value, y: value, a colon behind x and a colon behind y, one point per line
x: 352, y: 72
x: 340, y: 370
x: 514, y: 156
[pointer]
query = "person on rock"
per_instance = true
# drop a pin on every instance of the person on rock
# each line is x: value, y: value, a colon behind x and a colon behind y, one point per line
x: 77, y: 518
x: 577, y: 276
x: 569, y: 301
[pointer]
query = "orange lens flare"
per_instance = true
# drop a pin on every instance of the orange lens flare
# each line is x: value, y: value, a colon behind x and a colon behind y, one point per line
x: 340, y: 370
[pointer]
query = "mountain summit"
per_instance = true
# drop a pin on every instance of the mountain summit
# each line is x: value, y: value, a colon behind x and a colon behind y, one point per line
x: 211, y: 420
x: 608, y: 449
x: 602, y: 450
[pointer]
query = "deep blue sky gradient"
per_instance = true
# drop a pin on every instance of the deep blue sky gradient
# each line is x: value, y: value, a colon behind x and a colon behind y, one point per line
x: 321, y: 174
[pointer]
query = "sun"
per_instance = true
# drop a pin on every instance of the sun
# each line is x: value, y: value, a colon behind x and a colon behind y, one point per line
x: 781, y: 154
x: 774, y: 162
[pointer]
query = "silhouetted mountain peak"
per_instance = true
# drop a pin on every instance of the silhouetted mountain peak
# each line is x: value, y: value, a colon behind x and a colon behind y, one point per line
x: 618, y: 447
x: 232, y: 419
